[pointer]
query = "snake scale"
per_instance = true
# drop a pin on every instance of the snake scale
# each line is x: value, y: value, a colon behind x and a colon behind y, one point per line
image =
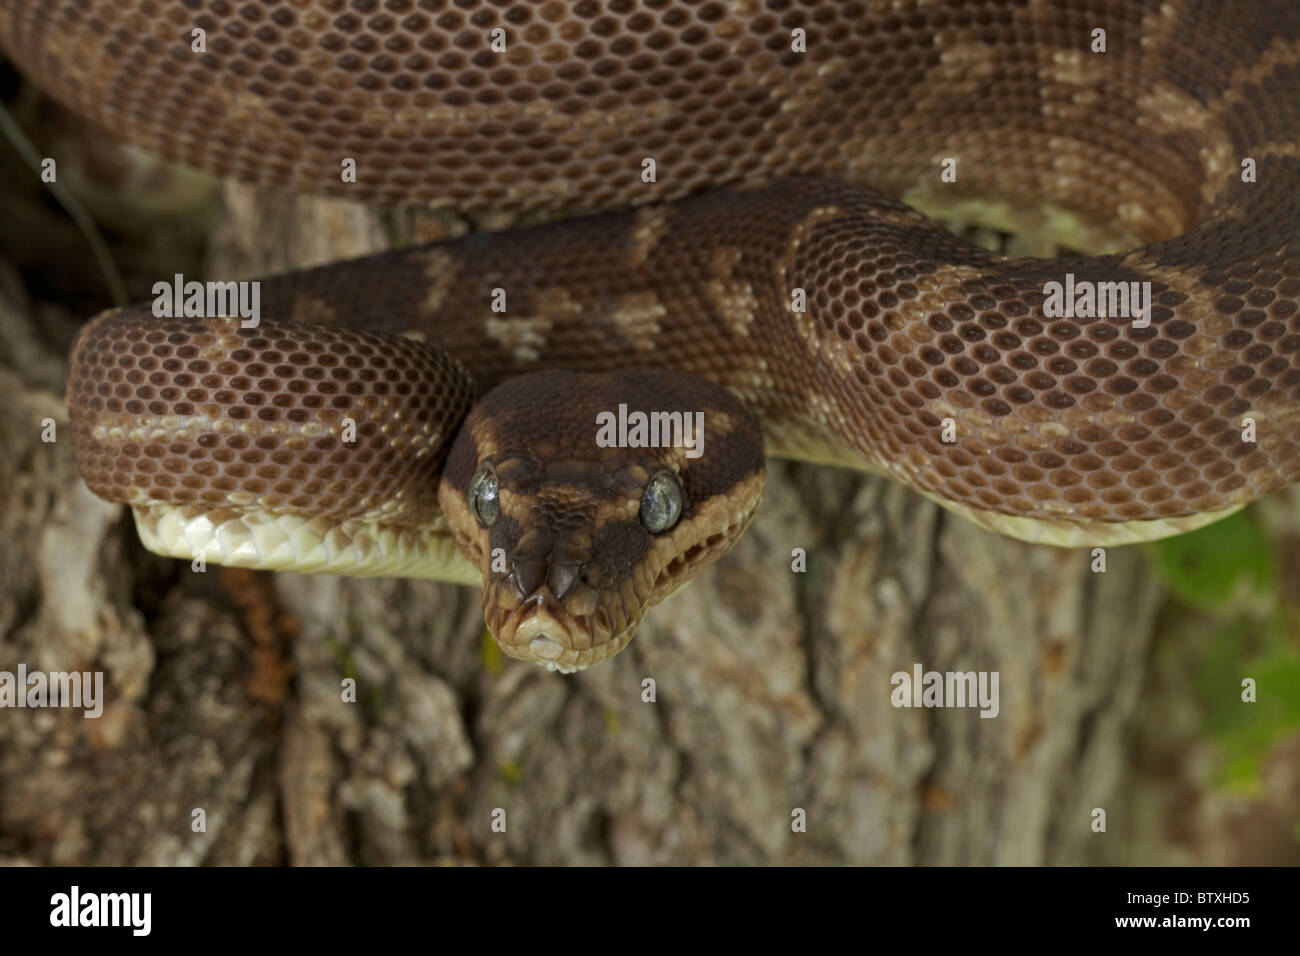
x: 754, y: 269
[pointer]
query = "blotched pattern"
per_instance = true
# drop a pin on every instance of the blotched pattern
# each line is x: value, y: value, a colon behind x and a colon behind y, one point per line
x: 1086, y: 425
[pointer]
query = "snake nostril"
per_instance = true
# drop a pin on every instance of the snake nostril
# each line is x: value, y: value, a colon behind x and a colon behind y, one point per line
x: 529, y: 574
x: 592, y: 576
x: 562, y: 579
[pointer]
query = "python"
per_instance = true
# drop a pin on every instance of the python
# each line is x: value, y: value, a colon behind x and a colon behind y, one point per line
x: 775, y: 186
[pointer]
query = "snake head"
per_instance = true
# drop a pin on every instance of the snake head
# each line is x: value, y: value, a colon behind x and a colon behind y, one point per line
x: 577, y: 525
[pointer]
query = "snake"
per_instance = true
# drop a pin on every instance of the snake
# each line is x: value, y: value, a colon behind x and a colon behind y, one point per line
x: 737, y: 235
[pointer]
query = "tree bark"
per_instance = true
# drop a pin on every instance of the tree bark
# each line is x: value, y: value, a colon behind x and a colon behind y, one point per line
x: 772, y: 686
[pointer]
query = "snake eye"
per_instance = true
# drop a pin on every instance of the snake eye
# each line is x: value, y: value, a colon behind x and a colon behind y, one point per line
x: 661, y: 503
x: 484, y: 496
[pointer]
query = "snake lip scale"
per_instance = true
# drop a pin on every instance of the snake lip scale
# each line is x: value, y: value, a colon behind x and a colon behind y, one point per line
x: 737, y: 249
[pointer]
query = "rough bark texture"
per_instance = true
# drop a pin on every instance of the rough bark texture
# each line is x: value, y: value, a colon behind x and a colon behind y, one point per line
x: 772, y: 687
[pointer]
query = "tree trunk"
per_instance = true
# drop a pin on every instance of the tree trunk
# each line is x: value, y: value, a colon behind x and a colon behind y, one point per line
x: 772, y: 686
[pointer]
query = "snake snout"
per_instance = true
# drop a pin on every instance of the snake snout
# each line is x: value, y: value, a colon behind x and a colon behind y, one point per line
x: 548, y: 605
x: 561, y: 577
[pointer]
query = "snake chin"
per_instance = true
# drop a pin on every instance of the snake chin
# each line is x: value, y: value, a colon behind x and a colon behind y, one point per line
x: 541, y: 630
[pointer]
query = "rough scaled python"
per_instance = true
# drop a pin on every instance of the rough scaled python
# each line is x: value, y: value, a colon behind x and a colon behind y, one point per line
x: 1067, y: 430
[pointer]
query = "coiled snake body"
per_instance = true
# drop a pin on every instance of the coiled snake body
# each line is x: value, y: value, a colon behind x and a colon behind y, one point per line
x: 847, y: 327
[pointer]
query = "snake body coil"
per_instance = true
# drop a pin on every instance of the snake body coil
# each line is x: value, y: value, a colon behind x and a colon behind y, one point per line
x: 855, y: 330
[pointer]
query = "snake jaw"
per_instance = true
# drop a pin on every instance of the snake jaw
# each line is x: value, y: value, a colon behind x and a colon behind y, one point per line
x: 542, y: 627
x: 543, y: 630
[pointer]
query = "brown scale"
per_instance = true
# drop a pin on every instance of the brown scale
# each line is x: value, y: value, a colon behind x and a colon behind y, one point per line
x: 1110, y: 421
x: 1085, y: 419
x: 585, y: 90
x: 202, y: 412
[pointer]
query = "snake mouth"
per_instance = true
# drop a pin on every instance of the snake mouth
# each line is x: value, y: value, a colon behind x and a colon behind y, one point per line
x: 541, y: 630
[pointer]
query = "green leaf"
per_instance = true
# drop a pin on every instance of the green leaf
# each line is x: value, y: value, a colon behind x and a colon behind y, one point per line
x: 1243, y: 733
x: 1207, y: 567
